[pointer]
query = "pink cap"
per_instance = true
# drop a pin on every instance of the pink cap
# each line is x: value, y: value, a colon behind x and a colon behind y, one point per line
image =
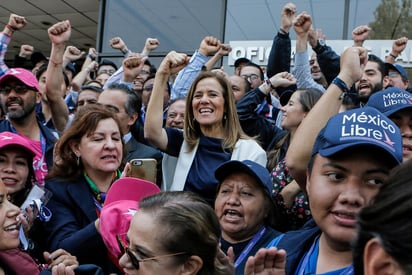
x: 23, y: 75
x: 119, y: 207
x: 9, y: 139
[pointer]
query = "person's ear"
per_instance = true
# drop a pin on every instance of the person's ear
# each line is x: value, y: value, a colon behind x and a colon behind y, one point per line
x: 132, y: 119
x: 75, y: 148
x: 192, y: 265
x: 385, y: 81
x: 377, y: 261
x: 38, y: 97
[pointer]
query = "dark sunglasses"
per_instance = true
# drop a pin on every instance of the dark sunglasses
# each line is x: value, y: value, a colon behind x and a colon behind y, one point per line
x: 136, y: 260
x: 19, y: 89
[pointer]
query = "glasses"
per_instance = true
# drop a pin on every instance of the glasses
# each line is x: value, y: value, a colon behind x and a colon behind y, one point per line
x: 393, y: 75
x: 19, y: 89
x: 136, y: 260
x: 109, y: 72
x: 250, y: 77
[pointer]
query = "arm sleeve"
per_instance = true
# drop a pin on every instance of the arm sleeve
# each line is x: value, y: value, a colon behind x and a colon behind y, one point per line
x: 65, y: 230
x: 187, y: 75
x: 329, y: 62
x: 279, y: 57
x: 4, y: 42
x: 301, y: 71
x: 114, y: 78
x: 254, y: 124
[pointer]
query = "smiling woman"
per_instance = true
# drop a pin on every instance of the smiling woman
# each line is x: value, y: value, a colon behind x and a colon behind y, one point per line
x: 88, y: 156
x: 211, y: 133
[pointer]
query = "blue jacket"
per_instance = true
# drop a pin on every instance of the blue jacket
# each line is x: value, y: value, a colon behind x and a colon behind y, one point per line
x: 72, y: 224
x: 269, y: 235
x: 297, y: 243
x: 254, y: 124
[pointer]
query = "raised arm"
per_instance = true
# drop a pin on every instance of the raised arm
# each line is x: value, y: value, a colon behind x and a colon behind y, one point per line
x: 153, y: 127
x: 150, y: 45
x: 132, y: 66
x: 59, y: 34
x: 254, y: 124
x: 353, y: 61
x: 224, y: 49
x: 360, y: 34
x: 304, y: 79
x: 398, y: 46
x: 15, y: 23
x: 328, y: 59
x: 279, y: 57
x: 71, y: 54
x: 209, y: 45
x: 89, y: 65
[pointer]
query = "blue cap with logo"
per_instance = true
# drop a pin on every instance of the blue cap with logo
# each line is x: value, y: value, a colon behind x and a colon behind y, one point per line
x: 390, y: 101
x: 359, y: 127
x: 399, y: 68
x: 246, y: 166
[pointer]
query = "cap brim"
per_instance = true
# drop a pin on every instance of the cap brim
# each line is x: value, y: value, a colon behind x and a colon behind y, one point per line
x: 10, y: 76
x: 328, y: 152
x: 397, y: 109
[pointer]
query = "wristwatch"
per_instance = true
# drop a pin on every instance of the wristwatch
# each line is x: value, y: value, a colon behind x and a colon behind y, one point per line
x: 320, y: 46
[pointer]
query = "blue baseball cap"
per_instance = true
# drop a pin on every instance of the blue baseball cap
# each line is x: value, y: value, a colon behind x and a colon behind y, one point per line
x: 359, y: 127
x: 390, y: 101
x: 396, y: 67
x: 246, y: 166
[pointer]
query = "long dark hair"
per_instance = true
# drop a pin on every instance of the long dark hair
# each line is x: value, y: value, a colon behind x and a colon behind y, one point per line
x: 308, y: 99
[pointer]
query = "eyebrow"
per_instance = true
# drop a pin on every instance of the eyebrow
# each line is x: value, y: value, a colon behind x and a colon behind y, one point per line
x: 370, y: 171
x: 371, y: 71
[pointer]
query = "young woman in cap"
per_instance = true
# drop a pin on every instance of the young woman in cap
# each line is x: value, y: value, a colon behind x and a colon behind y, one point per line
x: 351, y: 158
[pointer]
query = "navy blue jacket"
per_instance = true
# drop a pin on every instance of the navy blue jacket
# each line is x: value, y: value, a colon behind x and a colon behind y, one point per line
x: 72, y: 224
x: 254, y: 124
x: 297, y: 243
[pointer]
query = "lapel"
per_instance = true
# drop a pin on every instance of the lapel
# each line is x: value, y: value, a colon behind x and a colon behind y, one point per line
x: 83, y: 198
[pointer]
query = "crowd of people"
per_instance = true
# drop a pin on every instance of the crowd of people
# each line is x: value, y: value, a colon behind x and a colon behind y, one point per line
x: 301, y: 169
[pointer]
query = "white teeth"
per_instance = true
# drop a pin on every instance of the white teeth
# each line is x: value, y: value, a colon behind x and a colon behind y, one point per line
x: 9, y: 180
x: 12, y: 227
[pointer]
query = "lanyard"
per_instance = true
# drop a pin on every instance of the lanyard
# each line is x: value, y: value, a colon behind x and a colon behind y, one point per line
x: 99, y: 197
x: 308, y: 265
x: 249, y: 246
x: 42, y: 144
